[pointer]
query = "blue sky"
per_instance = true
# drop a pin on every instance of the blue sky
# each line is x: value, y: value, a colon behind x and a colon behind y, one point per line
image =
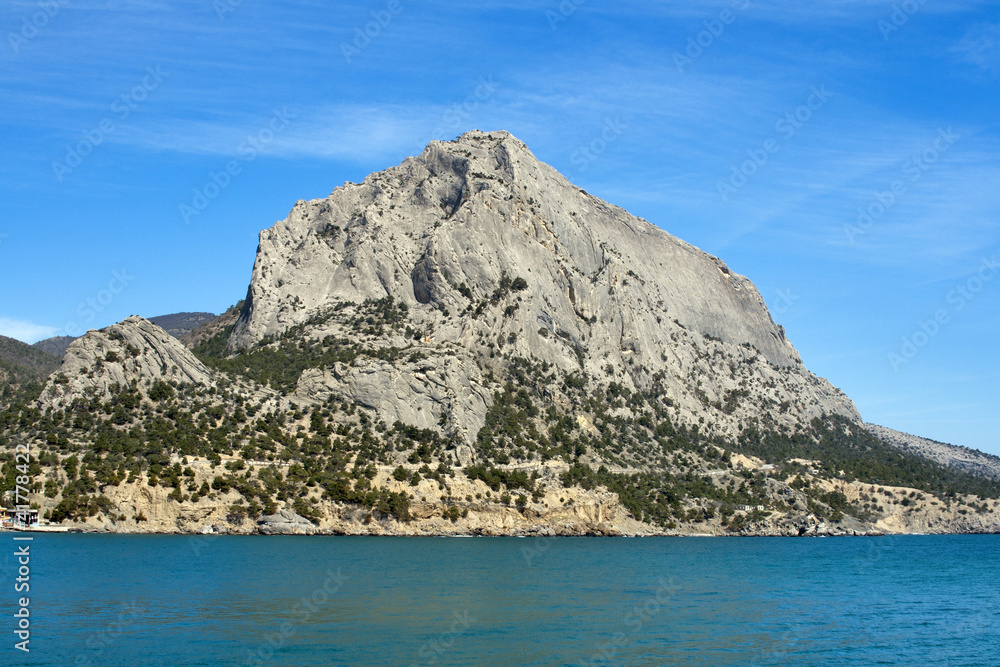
x: 759, y: 131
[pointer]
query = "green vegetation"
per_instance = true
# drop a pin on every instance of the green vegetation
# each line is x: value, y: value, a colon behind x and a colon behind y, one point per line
x: 23, y: 370
x: 497, y: 478
x: 262, y: 458
x: 279, y: 363
x: 851, y: 453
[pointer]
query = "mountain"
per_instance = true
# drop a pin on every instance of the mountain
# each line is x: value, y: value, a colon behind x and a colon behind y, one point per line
x: 26, y: 359
x: 134, y: 352
x: 177, y: 325
x: 180, y: 324
x: 212, y: 327
x: 957, y: 458
x: 492, y: 251
x: 56, y: 346
x: 22, y: 367
x: 468, y: 343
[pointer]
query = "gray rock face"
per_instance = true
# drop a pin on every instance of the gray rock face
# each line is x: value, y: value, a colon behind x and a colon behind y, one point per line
x: 493, y: 250
x: 963, y: 459
x: 416, y: 393
x: 134, y: 350
x: 285, y: 522
x: 471, y: 210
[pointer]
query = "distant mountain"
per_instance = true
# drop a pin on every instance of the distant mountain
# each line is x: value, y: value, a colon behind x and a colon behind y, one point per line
x: 56, y: 346
x: 179, y: 324
x: 213, y: 327
x: 27, y: 359
x: 22, y: 366
x: 967, y: 460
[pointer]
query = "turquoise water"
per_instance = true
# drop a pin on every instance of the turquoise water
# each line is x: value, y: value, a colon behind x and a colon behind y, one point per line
x: 177, y: 600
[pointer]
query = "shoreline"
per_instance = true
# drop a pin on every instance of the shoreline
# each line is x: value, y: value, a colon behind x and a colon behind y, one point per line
x: 87, y: 530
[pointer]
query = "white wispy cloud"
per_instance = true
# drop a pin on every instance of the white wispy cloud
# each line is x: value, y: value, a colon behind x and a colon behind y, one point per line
x: 342, y: 131
x: 778, y: 10
x: 981, y: 46
x: 27, y: 332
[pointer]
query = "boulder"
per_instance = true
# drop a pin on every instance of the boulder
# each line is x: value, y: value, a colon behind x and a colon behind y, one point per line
x: 285, y: 522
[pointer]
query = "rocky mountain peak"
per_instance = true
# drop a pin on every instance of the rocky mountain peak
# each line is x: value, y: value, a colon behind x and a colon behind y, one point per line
x: 132, y: 352
x: 472, y: 210
x: 488, y: 248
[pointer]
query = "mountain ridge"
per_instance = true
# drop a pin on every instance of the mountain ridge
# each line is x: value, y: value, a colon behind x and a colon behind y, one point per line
x: 467, y: 343
x: 177, y: 325
x: 22, y: 369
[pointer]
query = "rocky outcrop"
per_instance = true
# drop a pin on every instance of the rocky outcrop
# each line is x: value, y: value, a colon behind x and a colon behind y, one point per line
x: 558, y: 511
x: 178, y: 325
x: 417, y: 393
x: 134, y: 351
x: 489, y: 248
x: 285, y: 522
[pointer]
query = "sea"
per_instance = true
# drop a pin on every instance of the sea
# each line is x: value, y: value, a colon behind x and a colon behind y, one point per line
x: 226, y: 600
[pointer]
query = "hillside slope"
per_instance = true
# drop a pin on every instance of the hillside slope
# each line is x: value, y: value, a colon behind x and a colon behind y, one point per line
x: 180, y: 324
x: 968, y: 460
x: 22, y: 368
x: 28, y: 359
x: 56, y: 346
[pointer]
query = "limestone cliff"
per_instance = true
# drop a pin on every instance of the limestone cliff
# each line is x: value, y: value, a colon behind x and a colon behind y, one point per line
x: 490, y: 248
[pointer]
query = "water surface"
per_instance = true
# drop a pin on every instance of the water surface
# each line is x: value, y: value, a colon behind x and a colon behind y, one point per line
x: 178, y: 600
